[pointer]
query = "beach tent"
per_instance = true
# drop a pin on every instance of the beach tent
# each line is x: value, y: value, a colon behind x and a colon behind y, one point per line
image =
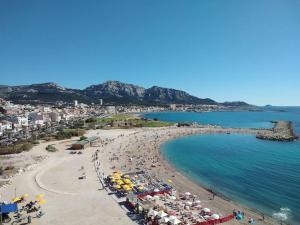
x: 239, y: 217
x: 161, y: 214
x: 206, y: 210
x: 215, y: 216
x: 8, y: 208
x: 152, y: 212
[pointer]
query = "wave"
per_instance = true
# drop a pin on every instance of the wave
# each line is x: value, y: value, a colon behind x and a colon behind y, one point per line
x: 283, y: 214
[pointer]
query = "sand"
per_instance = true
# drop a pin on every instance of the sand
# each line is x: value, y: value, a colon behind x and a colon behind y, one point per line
x: 74, y: 201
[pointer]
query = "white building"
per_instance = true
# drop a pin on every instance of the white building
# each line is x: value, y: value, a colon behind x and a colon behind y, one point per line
x: 111, y: 109
x: 75, y: 103
x: 19, y: 121
x: 5, y: 127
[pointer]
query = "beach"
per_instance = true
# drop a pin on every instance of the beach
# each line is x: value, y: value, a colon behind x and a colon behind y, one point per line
x: 74, y: 201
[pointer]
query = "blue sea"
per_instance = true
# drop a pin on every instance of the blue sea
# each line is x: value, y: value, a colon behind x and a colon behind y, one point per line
x: 263, y: 175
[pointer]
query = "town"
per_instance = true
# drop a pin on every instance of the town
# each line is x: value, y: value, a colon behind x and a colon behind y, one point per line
x: 24, y: 122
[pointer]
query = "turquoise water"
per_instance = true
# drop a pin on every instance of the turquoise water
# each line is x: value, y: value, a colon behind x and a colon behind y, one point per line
x: 232, y: 119
x: 261, y: 174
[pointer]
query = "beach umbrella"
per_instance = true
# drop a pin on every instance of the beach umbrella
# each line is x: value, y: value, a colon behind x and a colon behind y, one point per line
x: 43, y: 201
x: 215, y: 216
x: 25, y: 195
x: 197, y: 201
x: 156, y: 190
x: 127, y: 181
x: 152, y: 212
x: 174, y: 220
x: 17, y: 199
x: 170, y: 181
x: 187, y: 193
x: 126, y: 176
x: 120, y: 182
x: 117, y: 187
x: 39, y: 196
x: 206, y: 210
x: 189, y: 203
x: 161, y: 214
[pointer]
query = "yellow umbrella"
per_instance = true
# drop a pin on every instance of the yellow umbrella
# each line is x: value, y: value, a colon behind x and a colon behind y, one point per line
x: 120, y: 182
x: 39, y: 196
x: 170, y: 181
x: 41, y: 202
x: 140, y: 188
x: 136, y: 176
x: 127, y: 181
x: 16, y: 199
x: 117, y: 177
x: 126, y: 176
x: 25, y: 195
x: 117, y: 186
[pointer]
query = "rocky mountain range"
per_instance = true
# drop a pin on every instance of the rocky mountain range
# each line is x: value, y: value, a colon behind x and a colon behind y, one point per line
x: 112, y: 92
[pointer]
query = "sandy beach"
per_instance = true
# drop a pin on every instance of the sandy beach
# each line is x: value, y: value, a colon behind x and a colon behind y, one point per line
x: 84, y: 201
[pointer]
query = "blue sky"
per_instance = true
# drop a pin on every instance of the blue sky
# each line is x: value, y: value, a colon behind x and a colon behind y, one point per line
x: 225, y: 50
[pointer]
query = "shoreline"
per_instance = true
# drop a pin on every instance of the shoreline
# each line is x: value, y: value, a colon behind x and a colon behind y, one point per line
x: 165, y: 171
x: 183, y: 176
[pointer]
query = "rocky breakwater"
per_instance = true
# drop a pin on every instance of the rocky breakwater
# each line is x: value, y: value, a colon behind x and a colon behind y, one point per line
x: 282, y: 131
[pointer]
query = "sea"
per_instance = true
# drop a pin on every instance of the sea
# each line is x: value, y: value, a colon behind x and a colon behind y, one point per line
x: 262, y: 175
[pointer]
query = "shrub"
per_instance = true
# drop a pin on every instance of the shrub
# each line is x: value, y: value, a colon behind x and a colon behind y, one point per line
x: 51, y: 148
x: 83, y: 138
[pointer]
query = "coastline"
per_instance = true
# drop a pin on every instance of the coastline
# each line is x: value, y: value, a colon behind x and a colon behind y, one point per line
x: 126, y: 150
x: 164, y: 170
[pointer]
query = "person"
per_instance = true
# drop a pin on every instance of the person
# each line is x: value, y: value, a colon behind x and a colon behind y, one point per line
x: 29, y: 219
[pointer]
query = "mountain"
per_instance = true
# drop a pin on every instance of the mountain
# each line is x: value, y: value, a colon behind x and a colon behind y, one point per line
x: 112, y: 92
x: 41, y: 93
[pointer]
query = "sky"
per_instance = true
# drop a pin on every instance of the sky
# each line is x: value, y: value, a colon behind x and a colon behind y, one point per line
x: 225, y: 50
